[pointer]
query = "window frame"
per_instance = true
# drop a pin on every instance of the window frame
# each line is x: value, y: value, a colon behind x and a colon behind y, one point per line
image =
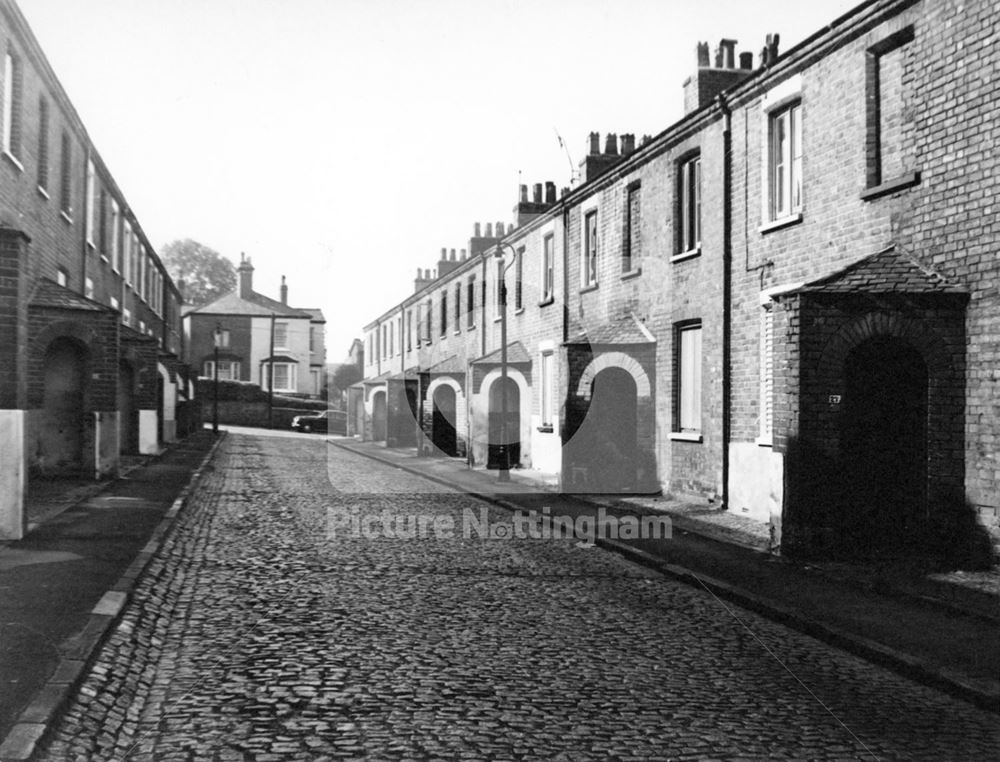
x: 13, y: 107
x: 470, y: 304
x: 784, y: 165
x: 547, y: 401
x: 66, y: 177
x: 688, y: 206
x: 281, y: 325
x: 876, y: 183
x: 42, y: 170
x: 548, y: 267
x: 589, y: 250
x: 688, y: 381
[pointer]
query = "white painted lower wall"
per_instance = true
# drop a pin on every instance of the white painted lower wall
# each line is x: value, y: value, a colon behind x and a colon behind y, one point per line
x: 106, y: 451
x: 147, y: 433
x: 546, y: 447
x: 756, y: 481
x: 13, y: 473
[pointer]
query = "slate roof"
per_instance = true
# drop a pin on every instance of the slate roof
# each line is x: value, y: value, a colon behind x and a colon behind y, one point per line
x: 449, y: 365
x: 516, y: 355
x: 257, y: 305
x: 624, y: 330
x: 885, y: 272
x: 48, y: 293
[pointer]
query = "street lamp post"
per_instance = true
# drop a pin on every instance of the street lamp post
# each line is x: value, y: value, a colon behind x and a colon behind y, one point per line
x: 504, y: 472
x: 215, y: 384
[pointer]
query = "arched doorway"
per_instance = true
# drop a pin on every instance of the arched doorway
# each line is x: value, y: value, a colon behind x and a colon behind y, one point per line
x: 128, y: 416
x: 443, y: 420
x: 504, y: 432
x: 378, y: 417
x: 884, y: 445
x: 62, y: 430
x: 606, y: 442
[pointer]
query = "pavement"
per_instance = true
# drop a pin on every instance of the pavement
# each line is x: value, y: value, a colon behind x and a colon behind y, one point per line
x: 942, y: 630
x: 63, y: 584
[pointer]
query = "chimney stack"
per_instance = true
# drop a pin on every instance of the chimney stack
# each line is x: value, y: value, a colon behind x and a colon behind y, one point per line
x: 284, y: 291
x: 245, y: 272
x: 597, y: 163
x: 707, y: 82
x: 770, y: 52
x: 480, y: 243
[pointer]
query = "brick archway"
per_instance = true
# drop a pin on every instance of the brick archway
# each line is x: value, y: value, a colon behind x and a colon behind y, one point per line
x: 607, y: 360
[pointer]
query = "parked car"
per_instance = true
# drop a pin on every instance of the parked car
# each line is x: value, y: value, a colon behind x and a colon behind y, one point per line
x: 330, y: 421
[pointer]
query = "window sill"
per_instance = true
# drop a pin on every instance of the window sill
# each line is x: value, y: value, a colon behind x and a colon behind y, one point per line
x: 43, y: 193
x: 104, y: 259
x: 497, y: 318
x: 685, y: 436
x: 764, y: 442
x: 66, y: 216
x: 13, y: 160
x: 546, y: 429
x: 629, y: 274
x: 458, y: 331
x: 689, y: 254
x: 783, y: 222
x: 892, y: 186
x: 519, y: 311
x: 588, y: 289
x: 471, y: 328
x: 547, y: 301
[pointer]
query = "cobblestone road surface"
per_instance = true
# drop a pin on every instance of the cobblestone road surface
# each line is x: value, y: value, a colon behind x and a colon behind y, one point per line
x: 254, y: 635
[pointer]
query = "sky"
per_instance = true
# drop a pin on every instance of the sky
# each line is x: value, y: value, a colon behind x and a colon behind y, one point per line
x: 343, y: 143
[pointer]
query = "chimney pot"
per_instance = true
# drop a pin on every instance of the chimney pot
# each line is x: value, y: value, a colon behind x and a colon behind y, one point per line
x: 595, y: 143
x: 444, y: 253
x: 284, y: 291
x: 565, y: 191
x: 628, y: 144
x: 746, y: 60
x: 500, y: 230
x: 476, y: 231
x: 489, y: 229
x: 524, y: 194
x: 465, y: 255
x: 451, y: 257
x: 646, y: 139
x: 727, y: 50
x: 550, y: 192
x: 701, y: 51
x: 537, y: 193
x: 611, y: 144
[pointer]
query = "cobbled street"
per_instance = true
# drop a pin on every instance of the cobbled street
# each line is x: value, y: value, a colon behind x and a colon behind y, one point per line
x: 256, y: 635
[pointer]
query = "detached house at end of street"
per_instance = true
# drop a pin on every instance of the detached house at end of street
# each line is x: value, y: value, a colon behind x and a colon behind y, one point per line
x: 255, y: 332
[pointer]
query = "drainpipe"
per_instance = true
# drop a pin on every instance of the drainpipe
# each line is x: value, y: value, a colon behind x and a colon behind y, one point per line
x: 727, y: 296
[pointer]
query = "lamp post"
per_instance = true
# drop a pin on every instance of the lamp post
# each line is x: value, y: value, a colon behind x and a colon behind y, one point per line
x: 215, y: 384
x: 504, y: 473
